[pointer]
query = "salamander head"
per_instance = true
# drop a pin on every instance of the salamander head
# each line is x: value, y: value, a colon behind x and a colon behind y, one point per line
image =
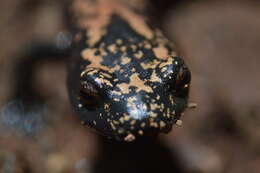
x: 136, y: 103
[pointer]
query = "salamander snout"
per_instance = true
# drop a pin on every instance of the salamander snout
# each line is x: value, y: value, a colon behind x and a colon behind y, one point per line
x: 137, y: 106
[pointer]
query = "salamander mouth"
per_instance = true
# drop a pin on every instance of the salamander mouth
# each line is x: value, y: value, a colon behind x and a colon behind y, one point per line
x: 128, y: 134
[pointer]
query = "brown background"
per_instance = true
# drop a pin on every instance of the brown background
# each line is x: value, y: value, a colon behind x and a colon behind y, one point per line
x: 220, y: 42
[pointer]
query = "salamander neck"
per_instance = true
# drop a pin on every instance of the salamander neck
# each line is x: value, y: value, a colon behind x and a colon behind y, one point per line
x: 95, y: 15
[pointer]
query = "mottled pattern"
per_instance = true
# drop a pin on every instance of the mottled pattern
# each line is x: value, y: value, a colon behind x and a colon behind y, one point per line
x: 127, y: 84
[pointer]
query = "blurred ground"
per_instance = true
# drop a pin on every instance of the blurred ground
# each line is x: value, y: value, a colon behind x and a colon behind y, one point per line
x: 219, y: 41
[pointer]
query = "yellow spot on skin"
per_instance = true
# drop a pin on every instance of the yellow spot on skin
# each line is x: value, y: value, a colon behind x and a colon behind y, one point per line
x: 139, y: 54
x: 155, y: 78
x: 171, y: 99
x: 115, y: 122
x: 129, y: 138
x: 137, y: 82
x: 116, y: 99
x: 162, y: 124
x: 112, y: 48
x: 155, y: 106
x: 168, y: 113
x: 126, y: 60
x: 133, y: 70
x: 164, y: 69
x: 95, y: 60
x: 117, y: 67
x: 154, y: 124
x: 121, y: 120
x: 123, y: 48
x: 168, y: 62
x: 102, y: 52
x: 152, y: 114
x: 140, y: 132
x: 134, y: 47
x: 151, y: 65
x: 147, y: 46
x: 119, y: 41
x: 133, y: 122
x: 161, y: 52
x: 106, y: 106
x: 112, y: 126
x: 116, y: 93
x: 120, y: 131
x: 162, y: 106
x: 124, y: 87
x: 126, y: 118
x: 132, y: 99
x: 102, y: 45
x: 140, y: 45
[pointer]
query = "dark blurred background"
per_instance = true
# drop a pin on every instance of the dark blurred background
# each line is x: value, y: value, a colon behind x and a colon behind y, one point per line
x: 220, y: 42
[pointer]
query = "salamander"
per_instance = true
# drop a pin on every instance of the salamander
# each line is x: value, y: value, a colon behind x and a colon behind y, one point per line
x: 125, y: 79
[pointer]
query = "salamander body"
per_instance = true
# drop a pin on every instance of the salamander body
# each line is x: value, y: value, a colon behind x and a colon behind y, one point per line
x: 125, y: 80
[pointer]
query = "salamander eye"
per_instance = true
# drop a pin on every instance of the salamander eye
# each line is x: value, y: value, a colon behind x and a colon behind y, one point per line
x: 181, y: 86
x: 183, y: 77
x: 89, y: 95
